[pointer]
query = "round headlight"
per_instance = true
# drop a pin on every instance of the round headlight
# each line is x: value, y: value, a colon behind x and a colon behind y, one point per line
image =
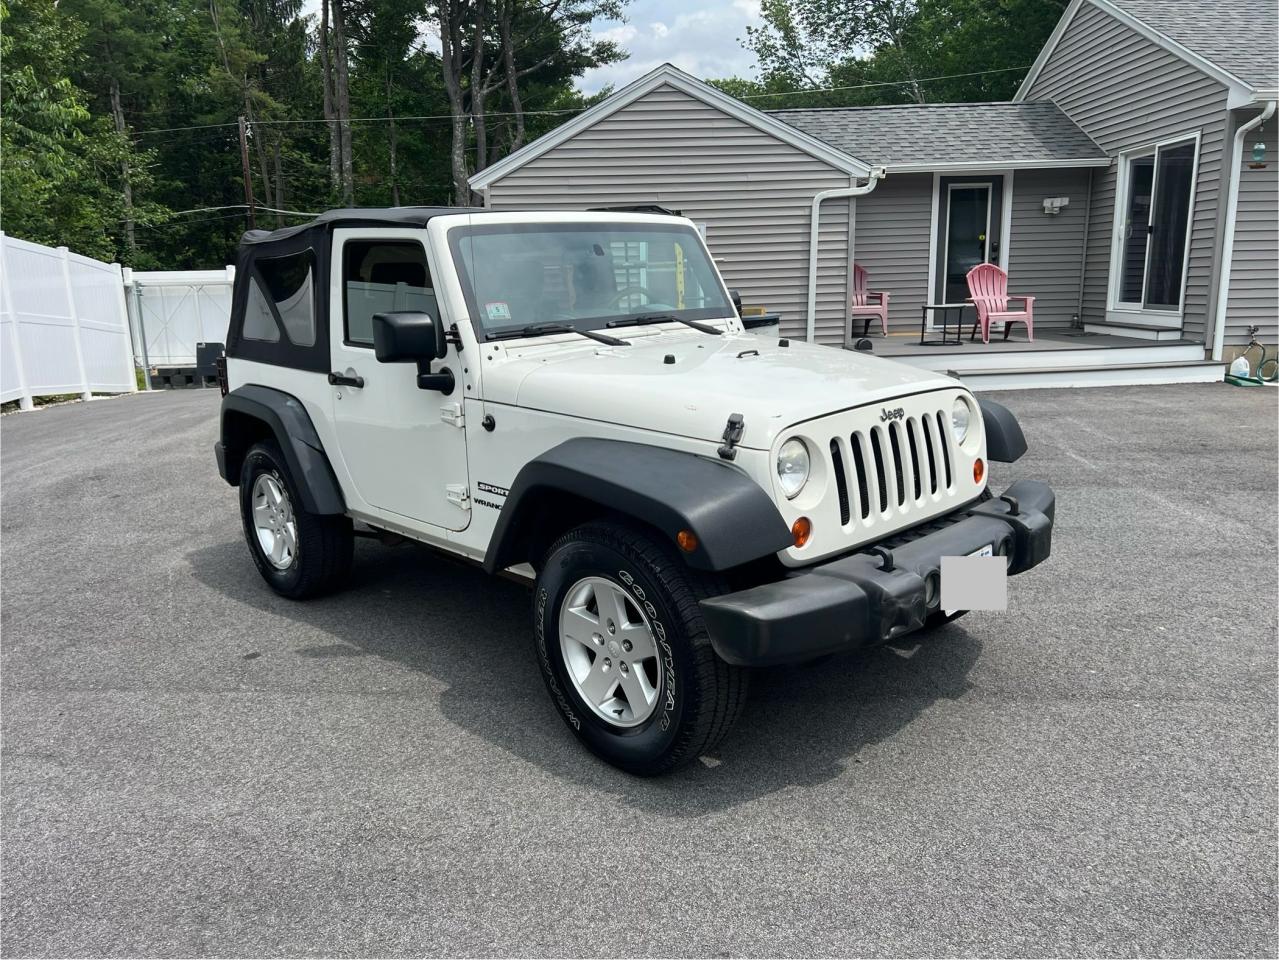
x: 792, y: 467
x: 961, y: 415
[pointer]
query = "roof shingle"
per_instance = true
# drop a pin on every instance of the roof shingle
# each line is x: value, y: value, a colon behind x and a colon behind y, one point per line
x: 1241, y: 37
x: 921, y: 134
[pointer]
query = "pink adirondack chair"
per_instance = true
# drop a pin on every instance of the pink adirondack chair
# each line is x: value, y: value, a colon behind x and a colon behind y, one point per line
x: 866, y: 303
x: 988, y: 290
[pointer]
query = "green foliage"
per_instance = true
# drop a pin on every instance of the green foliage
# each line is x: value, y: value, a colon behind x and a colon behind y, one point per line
x: 60, y: 162
x: 104, y: 95
x: 894, y: 51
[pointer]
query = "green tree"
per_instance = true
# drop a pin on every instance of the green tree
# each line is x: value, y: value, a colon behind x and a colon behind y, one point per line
x: 894, y: 51
x: 60, y: 176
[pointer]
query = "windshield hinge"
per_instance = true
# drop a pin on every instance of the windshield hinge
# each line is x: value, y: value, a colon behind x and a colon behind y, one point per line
x: 458, y: 493
x: 733, y: 431
x: 452, y: 336
x: 452, y: 413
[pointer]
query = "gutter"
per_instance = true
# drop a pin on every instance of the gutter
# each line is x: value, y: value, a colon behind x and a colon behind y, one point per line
x: 1228, y: 246
x: 876, y: 174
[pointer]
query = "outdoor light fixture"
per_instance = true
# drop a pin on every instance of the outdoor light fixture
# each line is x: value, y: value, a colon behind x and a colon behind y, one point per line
x: 1259, y: 152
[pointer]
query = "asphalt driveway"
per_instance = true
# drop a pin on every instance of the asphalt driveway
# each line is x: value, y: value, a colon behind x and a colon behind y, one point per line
x: 193, y: 766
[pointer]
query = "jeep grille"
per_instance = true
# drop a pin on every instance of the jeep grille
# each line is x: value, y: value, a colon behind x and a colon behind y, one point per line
x: 889, y: 466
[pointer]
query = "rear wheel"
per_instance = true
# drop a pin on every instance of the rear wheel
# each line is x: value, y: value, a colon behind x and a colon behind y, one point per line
x: 299, y: 554
x: 625, y: 655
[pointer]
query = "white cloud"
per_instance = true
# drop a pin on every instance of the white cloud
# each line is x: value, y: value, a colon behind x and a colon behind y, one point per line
x: 705, y: 42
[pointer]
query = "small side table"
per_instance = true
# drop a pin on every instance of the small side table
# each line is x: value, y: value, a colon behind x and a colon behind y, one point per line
x: 943, y: 312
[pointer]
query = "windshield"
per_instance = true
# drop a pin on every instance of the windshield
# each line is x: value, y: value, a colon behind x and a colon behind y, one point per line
x: 584, y: 275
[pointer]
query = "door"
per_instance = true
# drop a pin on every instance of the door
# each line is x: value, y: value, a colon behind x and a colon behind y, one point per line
x: 403, y: 447
x: 969, y: 232
x: 1157, y: 196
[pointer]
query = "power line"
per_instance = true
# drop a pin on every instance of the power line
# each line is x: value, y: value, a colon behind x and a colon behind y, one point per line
x: 563, y: 112
x: 881, y: 83
x: 229, y: 206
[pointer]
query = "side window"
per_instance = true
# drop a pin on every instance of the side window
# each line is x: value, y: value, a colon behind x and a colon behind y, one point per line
x: 289, y: 285
x: 259, y: 322
x: 382, y: 276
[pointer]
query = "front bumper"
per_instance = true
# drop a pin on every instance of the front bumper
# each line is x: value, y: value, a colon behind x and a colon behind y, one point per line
x: 855, y: 601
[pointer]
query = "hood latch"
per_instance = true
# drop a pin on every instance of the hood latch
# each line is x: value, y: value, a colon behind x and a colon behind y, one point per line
x: 733, y: 431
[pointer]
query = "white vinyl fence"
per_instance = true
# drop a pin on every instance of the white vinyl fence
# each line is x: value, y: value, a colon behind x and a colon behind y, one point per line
x: 64, y: 327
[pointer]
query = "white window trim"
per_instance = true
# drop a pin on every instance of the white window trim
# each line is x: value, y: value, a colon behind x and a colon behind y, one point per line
x: 1116, y: 310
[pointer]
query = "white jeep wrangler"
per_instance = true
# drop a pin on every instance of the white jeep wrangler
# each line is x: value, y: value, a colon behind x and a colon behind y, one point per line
x: 572, y: 397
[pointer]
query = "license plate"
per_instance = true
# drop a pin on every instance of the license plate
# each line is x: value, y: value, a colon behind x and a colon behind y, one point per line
x: 986, y: 550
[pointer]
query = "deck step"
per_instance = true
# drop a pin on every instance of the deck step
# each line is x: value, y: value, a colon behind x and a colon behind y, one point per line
x: 1095, y: 375
x: 1138, y: 331
x: 972, y: 358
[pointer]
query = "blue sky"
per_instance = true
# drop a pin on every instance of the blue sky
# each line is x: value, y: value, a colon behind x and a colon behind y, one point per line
x: 702, y: 38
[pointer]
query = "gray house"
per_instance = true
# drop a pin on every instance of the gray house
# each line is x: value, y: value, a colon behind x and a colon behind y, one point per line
x: 1119, y: 112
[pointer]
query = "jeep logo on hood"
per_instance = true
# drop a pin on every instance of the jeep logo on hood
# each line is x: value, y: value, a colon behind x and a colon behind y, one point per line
x: 895, y: 414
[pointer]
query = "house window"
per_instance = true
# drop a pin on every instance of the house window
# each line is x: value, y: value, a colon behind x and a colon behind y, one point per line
x: 1155, y: 210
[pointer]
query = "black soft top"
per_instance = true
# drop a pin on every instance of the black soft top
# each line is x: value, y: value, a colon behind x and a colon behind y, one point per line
x: 355, y: 217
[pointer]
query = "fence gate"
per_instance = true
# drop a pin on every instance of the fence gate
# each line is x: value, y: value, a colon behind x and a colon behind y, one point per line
x: 173, y: 310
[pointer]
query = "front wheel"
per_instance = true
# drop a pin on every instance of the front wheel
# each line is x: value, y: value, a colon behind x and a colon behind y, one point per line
x: 299, y: 554
x: 625, y: 655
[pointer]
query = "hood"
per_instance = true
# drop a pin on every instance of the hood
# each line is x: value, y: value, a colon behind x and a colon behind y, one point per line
x: 710, y: 377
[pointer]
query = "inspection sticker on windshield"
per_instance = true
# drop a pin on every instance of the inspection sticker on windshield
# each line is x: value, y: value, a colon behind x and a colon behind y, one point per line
x: 978, y: 581
x: 497, y: 310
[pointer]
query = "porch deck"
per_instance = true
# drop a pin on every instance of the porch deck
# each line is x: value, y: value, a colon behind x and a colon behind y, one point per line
x: 1057, y: 358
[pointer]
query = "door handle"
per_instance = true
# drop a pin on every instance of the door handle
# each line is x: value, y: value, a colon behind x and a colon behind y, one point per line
x: 348, y: 379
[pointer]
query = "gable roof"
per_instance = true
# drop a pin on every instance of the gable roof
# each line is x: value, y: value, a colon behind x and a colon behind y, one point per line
x: 1236, y: 42
x: 668, y: 75
x: 953, y: 135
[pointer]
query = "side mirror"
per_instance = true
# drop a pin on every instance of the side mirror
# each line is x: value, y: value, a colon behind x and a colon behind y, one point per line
x: 407, y: 337
x: 737, y: 301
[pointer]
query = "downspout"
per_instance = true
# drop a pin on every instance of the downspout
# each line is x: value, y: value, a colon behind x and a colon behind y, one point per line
x: 1083, y: 255
x: 876, y: 174
x: 1228, y: 246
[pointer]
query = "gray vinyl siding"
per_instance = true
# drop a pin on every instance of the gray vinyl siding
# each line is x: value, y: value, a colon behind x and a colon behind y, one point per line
x: 1125, y: 91
x: 891, y: 241
x: 1045, y: 256
x: 1254, y: 279
x: 753, y: 192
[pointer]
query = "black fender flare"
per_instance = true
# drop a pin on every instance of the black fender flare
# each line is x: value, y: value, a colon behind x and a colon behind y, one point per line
x: 733, y: 517
x: 290, y: 424
x: 1005, y: 442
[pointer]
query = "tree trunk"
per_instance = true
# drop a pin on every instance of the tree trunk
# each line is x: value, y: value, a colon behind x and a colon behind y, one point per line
x: 451, y: 12
x: 391, y: 145
x: 342, y: 93
x: 126, y: 185
x: 505, y: 16
x: 479, y: 91
x: 330, y: 117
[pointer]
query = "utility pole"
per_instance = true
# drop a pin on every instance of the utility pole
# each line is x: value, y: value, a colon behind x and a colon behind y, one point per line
x: 244, y: 166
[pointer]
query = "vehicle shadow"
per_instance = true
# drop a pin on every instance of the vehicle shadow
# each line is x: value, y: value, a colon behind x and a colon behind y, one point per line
x: 801, y: 726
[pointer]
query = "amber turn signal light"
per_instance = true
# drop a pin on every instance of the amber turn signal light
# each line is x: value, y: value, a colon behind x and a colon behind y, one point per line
x: 979, y: 470
x: 687, y: 540
x: 801, y: 530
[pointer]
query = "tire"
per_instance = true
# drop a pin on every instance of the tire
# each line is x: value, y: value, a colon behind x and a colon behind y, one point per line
x: 317, y: 550
x: 696, y: 696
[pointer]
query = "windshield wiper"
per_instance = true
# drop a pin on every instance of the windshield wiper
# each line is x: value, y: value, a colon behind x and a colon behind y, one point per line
x: 644, y: 319
x: 542, y: 329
